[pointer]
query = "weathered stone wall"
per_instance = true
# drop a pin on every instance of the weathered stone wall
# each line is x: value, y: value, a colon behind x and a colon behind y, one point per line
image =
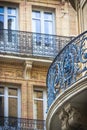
x: 14, y: 73
x: 26, y: 76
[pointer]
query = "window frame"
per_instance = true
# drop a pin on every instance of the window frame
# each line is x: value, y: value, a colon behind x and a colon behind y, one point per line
x: 5, y: 14
x: 44, y: 101
x: 42, y: 11
x: 6, y: 99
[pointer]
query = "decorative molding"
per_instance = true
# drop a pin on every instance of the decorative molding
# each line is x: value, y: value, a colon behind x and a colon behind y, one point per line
x: 70, y: 118
x: 11, y: 72
x: 27, y: 69
x: 63, y: 116
x: 74, y: 116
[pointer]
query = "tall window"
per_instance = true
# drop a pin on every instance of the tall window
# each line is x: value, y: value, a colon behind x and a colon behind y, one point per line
x: 9, y: 21
x: 40, y: 104
x: 42, y: 22
x: 8, y: 18
x: 9, y: 101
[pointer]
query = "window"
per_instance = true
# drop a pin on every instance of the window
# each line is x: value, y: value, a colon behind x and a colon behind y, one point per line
x: 8, y: 18
x: 8, y: 23
x: 40, y: 104
x: 10, y: 101
x: 42, y: 22
x: 1, y: 101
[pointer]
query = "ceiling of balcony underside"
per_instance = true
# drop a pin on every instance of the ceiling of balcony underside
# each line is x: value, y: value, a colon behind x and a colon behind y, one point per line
x: 79, y: 101
x: 72, y: 3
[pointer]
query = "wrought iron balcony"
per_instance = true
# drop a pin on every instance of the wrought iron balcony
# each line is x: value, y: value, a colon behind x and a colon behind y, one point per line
x: 10, y: 123
x: 31, y: 44
x: 69, y: 66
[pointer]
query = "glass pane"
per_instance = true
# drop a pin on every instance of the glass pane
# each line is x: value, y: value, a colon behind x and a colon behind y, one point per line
x: 1, y: 21
x: 11, y: 22
x: 1, y: 90
x: 36, y: 26
x: 48, y: 16
x: 12, y: 107
x: 48, y: 27
x: 38, y: 110
x: 12, y: 91
x: 1, y: 106
x: 36, y: 14
x: 38, y: 94
x: 1, y: 9
x: 11, y: 11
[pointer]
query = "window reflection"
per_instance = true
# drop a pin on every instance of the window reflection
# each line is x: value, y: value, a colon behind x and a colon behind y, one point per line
x: 38, y: 105
x: 1, y: 90
x: 1, y: 22
x: 8, y: 101
x: 38, y: 94
x: 11, y: 22
x: 12, y: 107
x: 1, y: 9
x: 1, y: 106
x: 12, y: 91
x: 11, y: 11
x: 38, y: 108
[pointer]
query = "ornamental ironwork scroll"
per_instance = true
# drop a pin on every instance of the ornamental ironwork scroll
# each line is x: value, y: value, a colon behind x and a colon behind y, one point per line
x: 68, y: 66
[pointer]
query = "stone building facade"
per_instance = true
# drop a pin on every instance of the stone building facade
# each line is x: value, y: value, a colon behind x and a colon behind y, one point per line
x: 23, y: 69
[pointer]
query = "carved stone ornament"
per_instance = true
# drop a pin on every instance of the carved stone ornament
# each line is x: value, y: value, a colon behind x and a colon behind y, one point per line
x: 63, y: 116
x: 74, y: 116
x: 28, y: 67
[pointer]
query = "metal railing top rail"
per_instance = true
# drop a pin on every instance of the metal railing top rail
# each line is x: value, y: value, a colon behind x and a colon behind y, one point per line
x: 68, y: 67
x: 31, y: 44
x: 37, y: 33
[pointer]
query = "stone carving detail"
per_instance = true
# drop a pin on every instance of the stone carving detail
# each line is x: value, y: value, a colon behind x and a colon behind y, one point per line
x: 11, y: 72
x: 27, y: 69
x: 35, y: 75
x: 70, y: 118
x: 63, y: 116
x: 74, y: 115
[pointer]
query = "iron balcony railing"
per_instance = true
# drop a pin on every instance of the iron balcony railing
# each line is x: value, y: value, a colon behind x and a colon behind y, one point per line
x: 12, y: 123
x: 69, y: 66
x: 33, y: 44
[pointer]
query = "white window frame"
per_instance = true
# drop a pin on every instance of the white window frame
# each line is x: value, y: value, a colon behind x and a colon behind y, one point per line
x: 44, y: 101
x: 5, y: 14
x: 42, y: 11
x: 6, y: 97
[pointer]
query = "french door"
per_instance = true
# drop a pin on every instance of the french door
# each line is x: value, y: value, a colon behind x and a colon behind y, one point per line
x: 9, y: 106
x: 40, y: 106
x: 8, y: 25
x: 43, y: 28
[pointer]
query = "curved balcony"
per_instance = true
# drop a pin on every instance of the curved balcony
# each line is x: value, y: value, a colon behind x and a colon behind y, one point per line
x: 23, y: 43
x: 67, y: 86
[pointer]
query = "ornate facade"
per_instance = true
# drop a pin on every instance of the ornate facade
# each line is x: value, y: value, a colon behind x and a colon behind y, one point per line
x: 67, y: 80
x: 32, y: 32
